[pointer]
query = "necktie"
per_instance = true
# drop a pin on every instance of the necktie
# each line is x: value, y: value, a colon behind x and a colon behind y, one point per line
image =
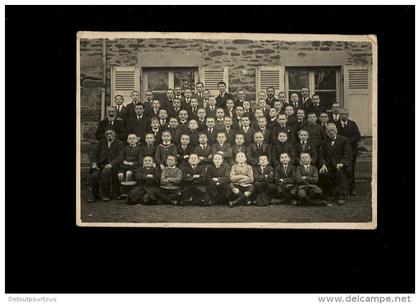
x: 285, y: 169
x: 303, y: 146
x: 307, y: 169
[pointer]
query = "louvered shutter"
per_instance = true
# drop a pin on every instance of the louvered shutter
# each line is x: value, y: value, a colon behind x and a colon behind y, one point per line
x: 210, y: 78
x: 357, y: 96
x: 270, y: 76
x: 124, y: 81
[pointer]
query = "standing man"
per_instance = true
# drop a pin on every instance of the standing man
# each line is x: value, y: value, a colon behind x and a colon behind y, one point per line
x: 223, y: 95
x: 135, y: 99
x: 335, y: 160
x: 199, y: 88
x: 306, y: 100
x: 295, y: 102
x: 148, y: 101
x: 270, y: 97
x: 348, y: 128
x: 335, y: 115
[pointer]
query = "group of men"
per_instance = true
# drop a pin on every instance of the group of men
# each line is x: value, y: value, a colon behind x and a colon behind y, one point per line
x: 187, y: 129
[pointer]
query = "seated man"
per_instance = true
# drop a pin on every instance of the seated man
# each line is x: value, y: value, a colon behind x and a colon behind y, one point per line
x: 335, y: 158
x: 105, y: 162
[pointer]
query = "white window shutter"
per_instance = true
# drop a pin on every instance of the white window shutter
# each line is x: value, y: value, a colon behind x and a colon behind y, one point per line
x: 357, y: 96
x: 124, y: 81
x: 210, y: 77
x: 270, y: 76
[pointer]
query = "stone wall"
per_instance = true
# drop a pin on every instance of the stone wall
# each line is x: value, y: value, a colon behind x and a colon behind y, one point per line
x: 241, y: 56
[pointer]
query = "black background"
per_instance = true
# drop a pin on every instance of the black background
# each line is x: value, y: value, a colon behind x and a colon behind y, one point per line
x: 46, y: 252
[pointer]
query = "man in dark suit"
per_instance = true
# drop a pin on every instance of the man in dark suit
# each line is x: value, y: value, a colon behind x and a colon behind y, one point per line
x: 211, y: 130
x: 120, y: 110
x: 135, y: 99
x: 349, y: 129
x: 111, y: 122
x: 178, y: 93
x: 335, y: 160
x: 138, y: 124
x: 105, y: 161
x: 166, y: 102
x: 304, y: 97
x: 335, y: 113
x: 295, y: 102
x: 148, y: 102
x: 194, y: 182
x: 270, y: 97
x: 257, y: 148
x: 223, y: 95
x: 303, y: 145
x: 199, y: 88
x: 315, y: 106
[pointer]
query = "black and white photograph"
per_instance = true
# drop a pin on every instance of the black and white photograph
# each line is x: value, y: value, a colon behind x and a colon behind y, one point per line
x: 226, y: 130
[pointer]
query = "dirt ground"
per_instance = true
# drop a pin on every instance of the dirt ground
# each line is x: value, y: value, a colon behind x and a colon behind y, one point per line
x: 357, y: 209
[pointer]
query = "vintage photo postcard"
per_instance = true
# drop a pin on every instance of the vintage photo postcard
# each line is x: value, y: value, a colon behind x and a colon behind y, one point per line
x: 224, y: 130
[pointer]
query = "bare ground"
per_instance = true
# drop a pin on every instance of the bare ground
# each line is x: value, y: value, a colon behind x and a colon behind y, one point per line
x: 357, y: 209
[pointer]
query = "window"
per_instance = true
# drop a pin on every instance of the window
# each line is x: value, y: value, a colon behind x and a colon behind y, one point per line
x: 323, y: 81
x: 160, y: 79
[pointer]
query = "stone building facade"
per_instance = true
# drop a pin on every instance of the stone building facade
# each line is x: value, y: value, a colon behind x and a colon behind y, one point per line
x: 338, y: 70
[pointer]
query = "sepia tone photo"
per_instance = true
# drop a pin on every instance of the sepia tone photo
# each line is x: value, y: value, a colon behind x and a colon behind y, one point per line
x: 223, y: 130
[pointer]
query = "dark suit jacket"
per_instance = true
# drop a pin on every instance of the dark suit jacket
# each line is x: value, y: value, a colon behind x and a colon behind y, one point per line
x: 163, y: 151
x: 271, y: 101
x: 129, y: 108
x: 309, y: 148
x: 221, y: 101
x: 236, y: 150
x: 138, y: 126
x: 352, y: 132
x: 192, y: 113
x: 288, y: 176
x: 230, y: 135
x: 311, y: 177
x: 222, y: 173
x: 182, y: 152
x: 253, y: 153
x: 290, y: 134
x: 146, y: 151
x: 280, y: 148
x: 118, y: 126
x: 203, y: 153
x: 143, y: 180
x: 226, y: 149
x: 188, y: 172
x: 123, y: 113
x: 102, y: 155
x: 260, y: 175
x: 211, y: 113
x: 211, y: 136
x: 332, y: 118
x: 201, y: 124
x: 315, y: 109
x: 299, y: 105
x: 316, y: 133
x: 267, y: 134
x: 340, y: 152
x: 249, y: 135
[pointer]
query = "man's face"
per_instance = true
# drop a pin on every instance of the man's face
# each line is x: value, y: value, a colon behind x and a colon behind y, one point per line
x: 229, y: 104
x: 110, y: 135
x: 202, y: 139
x: 163, y: 114
x: 221, y: 87
x: 305, y: 158
x: 199, y: 87
x: 323, y: 117
x: 132, y: 139
x: 282, y: 97
x: 187, y: 93
x: 170, y: 94
x: 228, y: 122
x: 110, y: 113
x: 303, y: 135
x: 171, y: 161
x: 344, y: 116
x: 220, y: 114
x: 183, y: 115
x: 173, y: 123
x: 193, y: 125
x: 212, y: 101
x: 335, y: 108
x: 150, y: 139
x: 246, y: 105
x: 176, y: 103
x: 217, y: 159
x: 201, y: 113
x: 284, y: 158
x: 221, y: 138
x: 193, y: 160
x: 316, y: 100
x: 155, y: 124
x: 194, y: 102
x: 282, y: 120
x: 282, y: 137
x: 258, y: 138
x: 206, y: 94
x: 289, y: 111
x: 148, y: 162
x: 166, y: 137
x: 241, y: 95
x: 210, y: 122
x: 156, y: 104
x: 135, y: 96
x: 263, y: 160
x: 304, y: 92
x: 270, y: 92
x: 294, y: 97
x: 177, y: 91
x: 312, y: 118
x: 149, y: 96
x: 262, y: 123
x: 300, y: 114
x: 331, y: 131
x: 119, y: 100
x: 185, y: 140
x: 239, y: 111
x: 139, y: 110
x: 239, y: 140
x: 245, y: 121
